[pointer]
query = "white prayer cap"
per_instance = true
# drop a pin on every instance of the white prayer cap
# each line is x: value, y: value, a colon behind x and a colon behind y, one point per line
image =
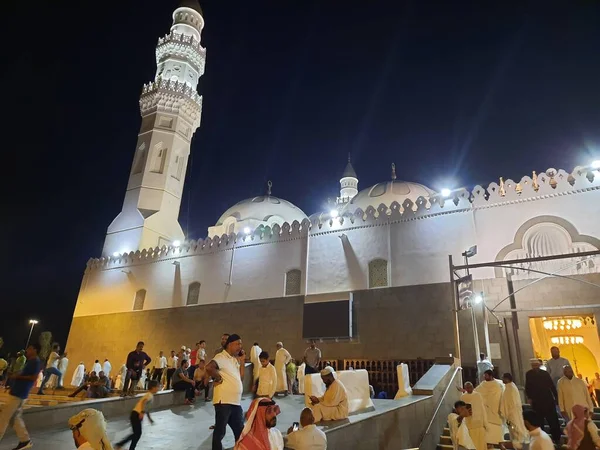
x: 328, y: 371
x: 92, y: 426
x: 280, y: 344
x: 183, y: 347
x: 189, y: 349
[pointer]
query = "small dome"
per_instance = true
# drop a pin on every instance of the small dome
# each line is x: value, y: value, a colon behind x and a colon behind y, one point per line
x: 386, y: 193
x: 265, y: 208
x: 192, y: 4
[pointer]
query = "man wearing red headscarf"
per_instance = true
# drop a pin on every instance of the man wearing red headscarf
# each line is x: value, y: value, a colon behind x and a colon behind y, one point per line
x: 259, y: 432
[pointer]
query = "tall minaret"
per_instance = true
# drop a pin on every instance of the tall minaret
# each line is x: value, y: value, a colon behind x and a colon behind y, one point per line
x: 170, y: 108
x: 348, y: 184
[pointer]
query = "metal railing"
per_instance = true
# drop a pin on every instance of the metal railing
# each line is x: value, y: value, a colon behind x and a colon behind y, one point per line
x: 439, y: 404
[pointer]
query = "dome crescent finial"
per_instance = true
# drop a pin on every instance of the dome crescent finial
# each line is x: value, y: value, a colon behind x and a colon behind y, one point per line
x: 349, y: 157
x: 269, y: 186
x: 393, y: 171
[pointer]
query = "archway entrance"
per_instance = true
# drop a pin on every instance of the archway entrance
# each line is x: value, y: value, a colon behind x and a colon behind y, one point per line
x: 575, y: 336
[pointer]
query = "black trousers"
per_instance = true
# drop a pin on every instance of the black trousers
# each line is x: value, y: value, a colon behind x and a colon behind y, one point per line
x: 157, y: 375
x: 170, y: 373
x: 309, y: 370
x: 136, y: 426
x: 185, y: 386
x: 548, y: 412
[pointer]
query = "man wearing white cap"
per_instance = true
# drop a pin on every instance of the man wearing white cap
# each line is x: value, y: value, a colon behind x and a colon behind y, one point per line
x: 334, y: 404
x: 89, y: 430
x: 282, y: 359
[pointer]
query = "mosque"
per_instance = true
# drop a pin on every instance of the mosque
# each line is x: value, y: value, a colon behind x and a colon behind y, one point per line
x: 370, y: 277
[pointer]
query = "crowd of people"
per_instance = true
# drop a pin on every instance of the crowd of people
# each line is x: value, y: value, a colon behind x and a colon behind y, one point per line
x: 554, y: 393
x: 193, y: 372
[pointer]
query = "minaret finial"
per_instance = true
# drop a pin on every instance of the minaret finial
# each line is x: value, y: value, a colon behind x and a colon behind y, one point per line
x: 393, y: 171
x: 269, y: 186
x: 349, y: 157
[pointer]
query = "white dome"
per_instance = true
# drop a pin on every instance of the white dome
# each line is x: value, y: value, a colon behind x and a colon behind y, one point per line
x: 250, y: 213
x: 386, y: 193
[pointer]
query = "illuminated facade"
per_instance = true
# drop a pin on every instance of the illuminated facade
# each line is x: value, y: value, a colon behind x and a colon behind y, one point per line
x: 395, y: 235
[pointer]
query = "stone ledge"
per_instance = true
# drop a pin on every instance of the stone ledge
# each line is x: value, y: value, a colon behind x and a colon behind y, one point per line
x: 51, y: 416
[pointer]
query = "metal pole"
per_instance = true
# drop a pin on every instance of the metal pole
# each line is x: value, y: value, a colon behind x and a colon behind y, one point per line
x: 457, y: 354
x: 473, y: 318
x: 486, y: 331
x: 29, y: 337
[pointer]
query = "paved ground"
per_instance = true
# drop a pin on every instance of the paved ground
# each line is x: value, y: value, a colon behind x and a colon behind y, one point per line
x: 181, y: 427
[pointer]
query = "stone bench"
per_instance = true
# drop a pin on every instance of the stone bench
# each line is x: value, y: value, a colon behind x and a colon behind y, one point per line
x: 356, y: 383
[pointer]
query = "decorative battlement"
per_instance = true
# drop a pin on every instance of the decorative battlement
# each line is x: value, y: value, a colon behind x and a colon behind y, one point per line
x: 550, y: 184
x: 172, y: 96
x: 181, y: 45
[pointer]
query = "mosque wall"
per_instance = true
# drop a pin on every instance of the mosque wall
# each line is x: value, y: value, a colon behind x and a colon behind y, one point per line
x: 416, y: 252
x: 226, y: 275
x: 390, y: 325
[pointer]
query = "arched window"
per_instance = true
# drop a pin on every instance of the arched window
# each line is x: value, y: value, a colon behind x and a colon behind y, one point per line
x: 138, y: 303
x: 140, y: 159
x: 378, y: 276
x: 193, y: 293
x: 158, y: 158
x: 292, y: 282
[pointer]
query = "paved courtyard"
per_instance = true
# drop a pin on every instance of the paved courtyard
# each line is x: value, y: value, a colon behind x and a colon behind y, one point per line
x: 180, y: 427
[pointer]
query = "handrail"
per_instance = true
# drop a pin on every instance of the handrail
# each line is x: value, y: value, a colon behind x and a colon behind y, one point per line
x: 439, y: 405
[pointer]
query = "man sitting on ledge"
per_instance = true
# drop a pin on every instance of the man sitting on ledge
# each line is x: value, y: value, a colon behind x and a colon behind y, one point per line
x: 334, y: 404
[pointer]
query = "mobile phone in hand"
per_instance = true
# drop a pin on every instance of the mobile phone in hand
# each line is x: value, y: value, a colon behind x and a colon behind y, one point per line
x: 295, y: 426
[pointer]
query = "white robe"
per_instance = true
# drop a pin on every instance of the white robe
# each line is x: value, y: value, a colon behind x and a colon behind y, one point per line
x: 477, y: 423
x: 491, y: 391
x: 254, y: 352
x: 267, y: 381
x: 106, y: 368
x: 119, y: 383
x: 78, y: 376
x: 300, y: 374
x: 97, y: 368
x: 63, y: 365
x: 573, y: 392
x: 333, y: 405
x: 459, y: 433
x: 39, y: 380
x: 142, y: 381
x: 282, y: 358
x: 511, y: 408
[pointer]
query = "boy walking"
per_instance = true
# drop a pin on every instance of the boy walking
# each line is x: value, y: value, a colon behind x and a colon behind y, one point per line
x: 137, y: 415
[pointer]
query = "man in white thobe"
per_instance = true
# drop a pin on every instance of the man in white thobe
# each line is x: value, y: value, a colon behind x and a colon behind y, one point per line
x: 333, y: 405
x: 282, y: 358
x: 459, y: 432
x: 63, y: 364
x: 255, y: 352
x: 477, y: 421
x: 491, y: 390
x: 482, y: 365
x: 300, y: 375
x: 511, y: 408
x: 97, y: 367
x: 106, y: 368
x: 267, y: 377
x: 78, y: 375
x: 309, y: 437
x: 572, y: 391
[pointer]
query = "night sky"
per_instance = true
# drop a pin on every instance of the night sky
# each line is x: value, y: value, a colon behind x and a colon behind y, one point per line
x: 455, y: 93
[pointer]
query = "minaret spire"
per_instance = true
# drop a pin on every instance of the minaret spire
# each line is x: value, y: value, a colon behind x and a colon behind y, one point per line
x: 348, y: 183
x: 393, y: 171
x: 170, y: 108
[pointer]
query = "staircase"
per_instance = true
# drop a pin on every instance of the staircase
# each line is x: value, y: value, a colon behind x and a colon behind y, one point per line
x: 446, y: 442
x: 53, y: 397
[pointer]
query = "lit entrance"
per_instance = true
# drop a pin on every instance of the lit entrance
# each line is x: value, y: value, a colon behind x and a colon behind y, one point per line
x: 575, y: 336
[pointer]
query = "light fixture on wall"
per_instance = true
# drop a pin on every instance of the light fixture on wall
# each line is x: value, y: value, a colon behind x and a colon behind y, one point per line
x: 595, y: 164
x: 562, y: 324
x: 334, y: 213
x: 566, y: 340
